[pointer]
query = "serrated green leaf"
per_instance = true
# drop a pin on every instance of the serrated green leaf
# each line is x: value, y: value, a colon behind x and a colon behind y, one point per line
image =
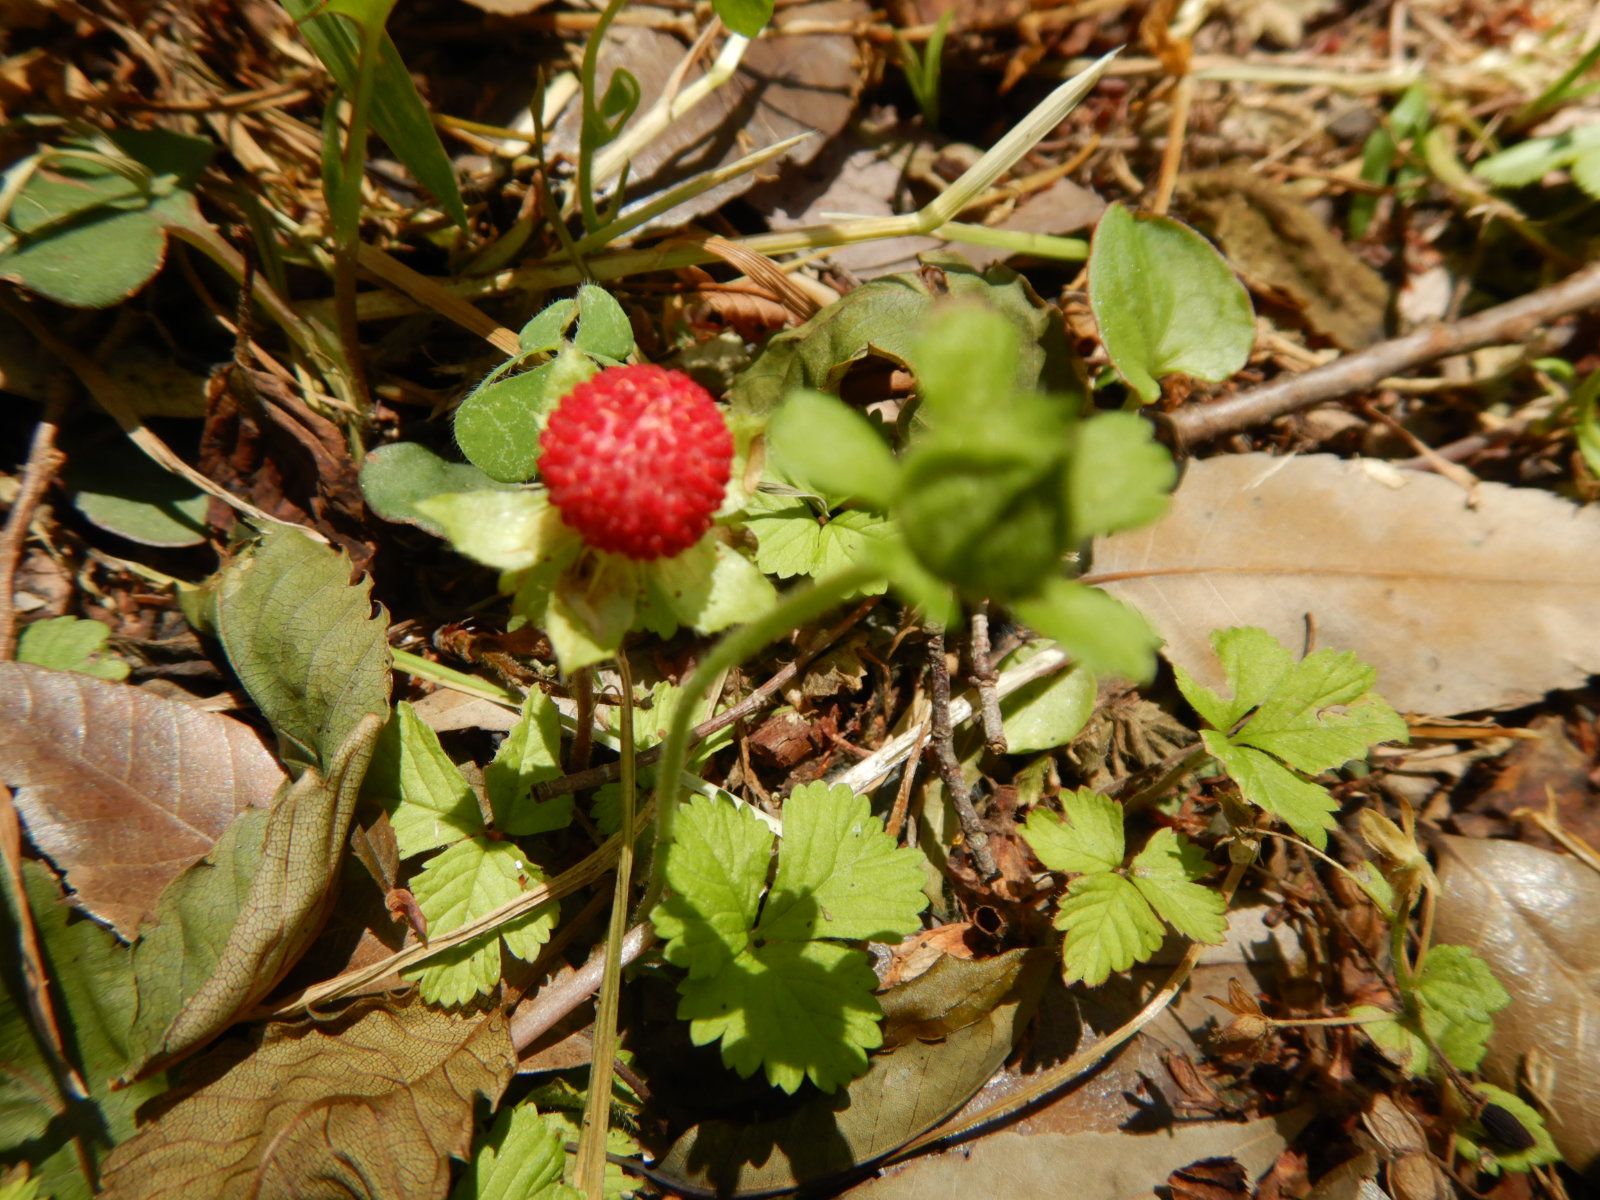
x: 1166, y: 302
x: 70, y: 644
x: 821, y: 444
x: 1166, y: 872
x: 1109, y: 927
x: 1305, y: 807
x: 512, y: 531
x: 530, y: 753
x: 1321, y: 714
x: 591, y: 608
x: 395, y: 478
x: 1049, y: 712
x: 429, y: 801
x: 716, y: 867
x: 791, y: 541
x: 1457, y: 986
x: 1396, y: 1036
x: 91, y: 987
x: 457, y: 886
x: 1087, y: 838
x: 839, y: 874
x: 1103, y: 634
x: 801, y: 1010
x: 1118, y: 475
x: 521, y: 1159
x: 1474, y: 1143
x: 708, y: 587
x: 304, y: 642
x: 1254, y: 663
x: 603, y: 326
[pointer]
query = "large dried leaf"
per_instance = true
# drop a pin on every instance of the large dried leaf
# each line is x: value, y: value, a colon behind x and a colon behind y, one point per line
x: 231, y: 925
x: 1105, y: 1166
x: 373, y: 1104
x: 121, y: 788
x: 91, y: 989
x: 304, y: 642
x: 1534, y: 916
x: 977, y: 1008
x: 1458, y: 608
x: 786, y: 84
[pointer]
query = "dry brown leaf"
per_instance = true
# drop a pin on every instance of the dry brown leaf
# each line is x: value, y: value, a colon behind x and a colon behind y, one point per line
x: 122, y: 789
x: 1534, y: 916
x: 785, y: 85
x: 1457, y: 608
x: 1284, y: 249
x: 371, y: 1104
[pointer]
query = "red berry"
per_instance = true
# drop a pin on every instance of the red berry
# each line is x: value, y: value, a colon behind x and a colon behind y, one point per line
x: 637, y: 459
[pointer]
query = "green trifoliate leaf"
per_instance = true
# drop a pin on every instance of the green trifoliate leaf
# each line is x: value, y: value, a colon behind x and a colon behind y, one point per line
x: 1166, y: 302
x: 1167, y: 872
x: 822, y: 444
x: 716, y: 867
x: 1102, y: 633
x: 1305, y: 807
x: 839, y: 874
x: 460, y: 884
x: 70, y: 644
x: 792, y: 540
x: 1109, y: 927
x: 1118, y: 475
x: 522, y: 1158
x: 530, y: 754
x: 509, y: 530
x: 1478, y: 1141
x: 1459, y: 996
x: 1087, y: 838
x: 430, y: 802
x: 802, y: 1010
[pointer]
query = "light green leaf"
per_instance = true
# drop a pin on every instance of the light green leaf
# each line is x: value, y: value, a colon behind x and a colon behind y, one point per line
x: 716, y: 868
x: 429, y: 801
x: 1109, y: 927
x: 965, y: 356
x: 544, y: 333
x: 792, y: 541
x: 225, y: 930
x: 1396, y: 1037
x: 1586, y: 172
x: 802, y: 1010
x: 498, y: 425
x: 1254, y: 663
x: 70, y: 644
x: 744, y: 17
x: 1087, y: 838
x: 708, y: 587
x: 1049, y: 712
x: 591, y: 610
x: 1529, y: 161
x: 530, y: 753
x: 603, y: 327
x: 521, y: 1159
x: 1322, y: 714
x: 91, y: 987
x: 1166, y: 302
x: 396, y: 477
x: 1457, y: 988
x: 1304, y: 806
x: 131, y: 495
x: 839, y: 874
x: 304, y: 642
x: 1474, y: 1143
x: 1118, y: 475
x: 508, y: 530
x: 460, y: 884
x: 823, y: 445
x: 1104, y: 635
x: 1167, y: 872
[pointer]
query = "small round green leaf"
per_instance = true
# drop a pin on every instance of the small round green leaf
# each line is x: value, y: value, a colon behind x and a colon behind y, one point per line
x: 1166, y: 301
x: 603, y: 327
x: 497, y: 427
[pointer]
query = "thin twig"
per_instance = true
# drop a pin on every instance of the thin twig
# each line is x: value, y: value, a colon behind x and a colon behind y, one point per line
x: 945, y: 756
x: 1506, y: 323
x: 44, y: 460
x: 983, y: 678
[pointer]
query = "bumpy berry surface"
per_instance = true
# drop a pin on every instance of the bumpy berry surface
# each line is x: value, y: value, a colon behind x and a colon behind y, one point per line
x: 636, y: 459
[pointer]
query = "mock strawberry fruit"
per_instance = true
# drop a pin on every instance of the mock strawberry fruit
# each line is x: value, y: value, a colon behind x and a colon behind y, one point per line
x: 636, y: 460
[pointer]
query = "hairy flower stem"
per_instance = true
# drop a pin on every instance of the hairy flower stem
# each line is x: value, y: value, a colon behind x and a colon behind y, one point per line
x: 589, y: 1170
x: 798, y: 607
